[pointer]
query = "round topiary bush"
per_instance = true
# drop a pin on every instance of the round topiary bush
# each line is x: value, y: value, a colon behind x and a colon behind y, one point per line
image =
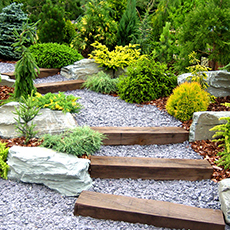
x: 54, y: 55
x: 187, y: 99
x: 146, y: 80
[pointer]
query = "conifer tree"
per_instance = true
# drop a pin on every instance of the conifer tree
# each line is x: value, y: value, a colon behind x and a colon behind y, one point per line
x: 11, y: 18
x: 52, y: 24
x: 127, y: 28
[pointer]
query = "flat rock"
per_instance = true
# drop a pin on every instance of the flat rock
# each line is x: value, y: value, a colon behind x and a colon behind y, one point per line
x: 203, y: 122
x: 218, y: 81
x: 224, y: 195
x: 6, y: 80
x: 80, y: 70
x: 62, y: 172
x: 50, y: 121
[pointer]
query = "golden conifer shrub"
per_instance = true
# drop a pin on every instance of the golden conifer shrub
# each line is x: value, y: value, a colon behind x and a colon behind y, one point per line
x: 186, y: 99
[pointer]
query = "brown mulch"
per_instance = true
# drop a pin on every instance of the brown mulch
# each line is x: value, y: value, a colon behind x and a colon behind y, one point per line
x: 205, y: 148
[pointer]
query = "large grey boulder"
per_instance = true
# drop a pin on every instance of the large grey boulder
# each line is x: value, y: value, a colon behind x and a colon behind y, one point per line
x: 62, y: 172
x: 6, y: 80
x: 49, y: 121
x: 224, y: 196
x: 86, y: 67
x: 218, y: 81
x: 203, y: 122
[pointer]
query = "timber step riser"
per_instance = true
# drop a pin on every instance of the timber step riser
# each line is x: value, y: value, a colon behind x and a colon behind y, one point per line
x: 149, y: 168
x: 152, y: 212
x: 142, y: 135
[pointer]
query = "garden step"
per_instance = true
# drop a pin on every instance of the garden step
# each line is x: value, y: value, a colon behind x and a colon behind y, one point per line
x: 143, y: 135
x: 157, y: 213
x: 43, y: 73
x: 150, y: 168
x: 59, y: 86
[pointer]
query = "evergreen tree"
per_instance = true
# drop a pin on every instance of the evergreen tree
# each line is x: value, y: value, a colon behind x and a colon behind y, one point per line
x: 128, y: 25
x: 52, y: 24
x: 206, y: 31
x: 25, y: 69
x: 11, y: 18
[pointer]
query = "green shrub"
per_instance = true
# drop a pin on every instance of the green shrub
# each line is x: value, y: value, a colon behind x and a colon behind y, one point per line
x: 69, y: 32
x: 11, y: 18
x: 53, y: 55
x: 58, y: 102
x: 146, y: 80
x: 120, y: 57
x: 187, y: 99
x: 4, y: 167
x: 79, y: 141
x: 101, y: 83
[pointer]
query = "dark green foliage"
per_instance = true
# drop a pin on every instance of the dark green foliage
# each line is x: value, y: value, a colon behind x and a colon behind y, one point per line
x: 51, y: 27
x: 26, y: 112
x: 53, y: 55
x: 79, y: 141
x: 206, y: 31
x: 101, y: 83
x: 146, y: 80
x: 127, y: 28
x: 25, y: 69
x: 11, y: 18
x: 69, y: 32
x: 4, y: 167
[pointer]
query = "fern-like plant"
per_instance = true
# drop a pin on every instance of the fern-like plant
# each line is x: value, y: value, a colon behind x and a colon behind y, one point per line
x: 223, y: 135
x: 79, y: 141
x: 4, y: 167
x: 101, y: 83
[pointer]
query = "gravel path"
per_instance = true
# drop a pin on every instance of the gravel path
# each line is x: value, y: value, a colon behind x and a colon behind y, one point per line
x: 31, y: 206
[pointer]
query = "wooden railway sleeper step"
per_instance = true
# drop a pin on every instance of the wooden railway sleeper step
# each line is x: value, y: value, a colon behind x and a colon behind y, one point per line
x: 152, y: 212
x: 143, y: 135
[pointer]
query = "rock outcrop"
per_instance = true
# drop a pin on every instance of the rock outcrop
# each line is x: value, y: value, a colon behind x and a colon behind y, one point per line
x: 203, y: 122
x: 218, y: 81
x: 50, y: 121
x: 62, y: 172
x: 224, y: 195
x: 6, y: 80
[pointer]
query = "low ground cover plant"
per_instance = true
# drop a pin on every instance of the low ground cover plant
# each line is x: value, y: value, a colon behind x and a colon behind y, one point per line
x: 60, y: 101
x: 101, y: 83
x: 146, y: 80
x: 54, y: 55
x: 79, y: 141
x: 186, y: 99
x: 4, y: 167
x: 223, y: 136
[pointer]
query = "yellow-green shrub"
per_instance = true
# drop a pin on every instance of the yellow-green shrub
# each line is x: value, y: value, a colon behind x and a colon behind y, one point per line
x: 120, y: 57
x: 4, y: 167
x: 58, y: 102
x: 187, y: 99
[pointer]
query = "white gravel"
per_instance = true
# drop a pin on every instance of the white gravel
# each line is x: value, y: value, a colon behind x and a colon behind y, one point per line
x: 31, y: 206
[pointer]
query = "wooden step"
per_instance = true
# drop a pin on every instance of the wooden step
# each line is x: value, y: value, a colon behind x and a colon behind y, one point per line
x: 142, y: 135
x: 157, y: 213
x: 150, y: 168
x: 43, y: 73
x: 59, y: 86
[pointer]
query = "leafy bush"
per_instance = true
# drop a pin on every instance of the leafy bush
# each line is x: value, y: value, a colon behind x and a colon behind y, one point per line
x: 79, y: 141
x: 95, y: 25
x: 118, y: 58
x: 11, y: 18
x: 53, y: 55
x: 4, y: 167
x: 69, y: 32
x: 187, y: 99
x: 101, y: 83
x: 146, y: 80
x: 58, y: 102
